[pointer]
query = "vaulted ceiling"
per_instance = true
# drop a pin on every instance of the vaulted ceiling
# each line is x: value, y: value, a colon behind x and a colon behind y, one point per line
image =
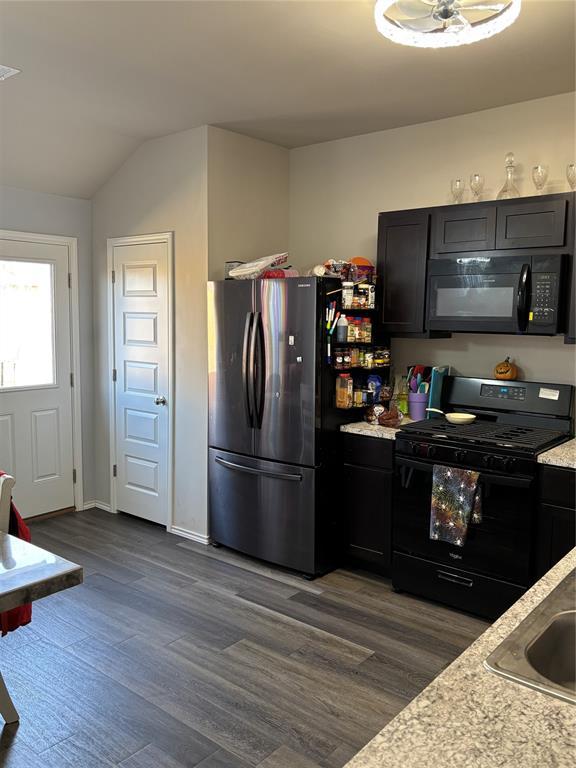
x: 98, y: 78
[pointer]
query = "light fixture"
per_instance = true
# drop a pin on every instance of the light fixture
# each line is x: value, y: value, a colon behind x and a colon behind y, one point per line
x: 6, y: 72
x: 443, y: 23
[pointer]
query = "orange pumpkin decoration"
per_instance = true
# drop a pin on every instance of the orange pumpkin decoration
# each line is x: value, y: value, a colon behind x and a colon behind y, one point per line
x: 506, y: 370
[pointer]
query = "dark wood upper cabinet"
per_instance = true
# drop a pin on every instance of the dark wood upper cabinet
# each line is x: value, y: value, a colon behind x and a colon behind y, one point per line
x: 499, y: 228
x: 463, y: 228
x: 402, y: 253
x: 540, y: 224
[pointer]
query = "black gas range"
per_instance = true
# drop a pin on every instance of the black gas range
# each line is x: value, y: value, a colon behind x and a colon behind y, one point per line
x: 515, y: 421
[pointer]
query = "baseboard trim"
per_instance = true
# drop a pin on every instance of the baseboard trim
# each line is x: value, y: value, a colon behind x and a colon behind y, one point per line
x: 98, y: 504
x: 186, y: 534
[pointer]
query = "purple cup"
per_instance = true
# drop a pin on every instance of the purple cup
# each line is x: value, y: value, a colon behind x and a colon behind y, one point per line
x: 417, y: 404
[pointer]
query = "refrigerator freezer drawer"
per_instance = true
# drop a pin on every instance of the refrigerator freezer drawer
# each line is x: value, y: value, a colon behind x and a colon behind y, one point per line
x: 263, y: 508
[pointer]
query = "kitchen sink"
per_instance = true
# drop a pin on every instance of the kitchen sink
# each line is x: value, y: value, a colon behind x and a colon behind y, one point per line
x: 541, y: 652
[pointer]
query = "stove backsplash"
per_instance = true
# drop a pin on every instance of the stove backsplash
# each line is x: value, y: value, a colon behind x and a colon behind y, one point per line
x: 538, y: 359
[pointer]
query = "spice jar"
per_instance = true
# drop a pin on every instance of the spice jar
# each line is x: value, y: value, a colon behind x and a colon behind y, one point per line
x: 344, y: 388
x: 368, y: 359
x: 381, y: 356
x: 358, y: 399
x: 367, y: 330
x: 347, y: 295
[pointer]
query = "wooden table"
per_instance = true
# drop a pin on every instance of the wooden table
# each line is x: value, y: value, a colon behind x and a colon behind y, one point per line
x: 28, y: 573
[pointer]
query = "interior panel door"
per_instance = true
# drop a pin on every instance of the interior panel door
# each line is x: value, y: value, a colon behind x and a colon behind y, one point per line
x: 142, y: 399
x: 286, y: 397
x: 35, y: 374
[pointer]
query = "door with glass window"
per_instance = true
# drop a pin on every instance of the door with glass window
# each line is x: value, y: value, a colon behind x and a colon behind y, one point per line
x: 35, y: 374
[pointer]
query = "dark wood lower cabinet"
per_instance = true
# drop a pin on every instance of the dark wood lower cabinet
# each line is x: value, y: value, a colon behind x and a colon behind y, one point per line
x: 368, y: 499
x: 556, y: 532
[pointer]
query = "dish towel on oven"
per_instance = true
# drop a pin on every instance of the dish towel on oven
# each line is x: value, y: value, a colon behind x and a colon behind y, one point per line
x: 455, y: 502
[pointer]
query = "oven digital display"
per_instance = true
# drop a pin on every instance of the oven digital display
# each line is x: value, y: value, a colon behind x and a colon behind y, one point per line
x: 502, y: 392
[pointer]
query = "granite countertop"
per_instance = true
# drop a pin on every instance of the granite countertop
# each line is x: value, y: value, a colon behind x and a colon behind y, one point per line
x: 373, y: 430
x: 28, y: 573
x: 562, y: 456
x: 469, y: 717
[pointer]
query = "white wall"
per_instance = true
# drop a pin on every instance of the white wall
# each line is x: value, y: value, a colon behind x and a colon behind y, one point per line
x: 338, y: 188
x: 248, y: 197
x: 162, y: 187
x: 45, y: 214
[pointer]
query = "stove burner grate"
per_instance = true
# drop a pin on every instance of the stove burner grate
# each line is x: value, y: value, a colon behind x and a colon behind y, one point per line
x: 507, y: 435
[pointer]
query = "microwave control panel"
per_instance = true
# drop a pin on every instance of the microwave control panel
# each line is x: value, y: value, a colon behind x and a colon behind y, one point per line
x: 544, y: 298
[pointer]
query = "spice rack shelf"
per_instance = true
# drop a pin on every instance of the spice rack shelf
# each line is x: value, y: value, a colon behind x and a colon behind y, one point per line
x: 352, y: 407
x: 361, y: 368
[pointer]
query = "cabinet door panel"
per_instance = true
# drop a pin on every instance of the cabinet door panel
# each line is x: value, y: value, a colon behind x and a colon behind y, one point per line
x: 402, y: 252
x: 531, y: 225
x: 463, y: 228
x: 556, y: 535
x: 368, y: 503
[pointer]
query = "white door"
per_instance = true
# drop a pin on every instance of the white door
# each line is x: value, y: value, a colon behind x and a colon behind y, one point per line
x: 35, y: 374
x: 142, y: 396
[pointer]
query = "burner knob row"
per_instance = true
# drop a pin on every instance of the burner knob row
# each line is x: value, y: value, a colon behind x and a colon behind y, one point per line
x: 498, y: 462
x: 423, y: 450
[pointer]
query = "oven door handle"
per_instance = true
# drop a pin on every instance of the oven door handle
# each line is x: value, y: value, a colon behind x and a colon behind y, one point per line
x: 511, y: 482
x: 423, y: 466
x: 486, y: 479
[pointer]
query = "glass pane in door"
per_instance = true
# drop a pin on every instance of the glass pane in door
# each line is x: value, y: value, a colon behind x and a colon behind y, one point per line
x: 26, y: 324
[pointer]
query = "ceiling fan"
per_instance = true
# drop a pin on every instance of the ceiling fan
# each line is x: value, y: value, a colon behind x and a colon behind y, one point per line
x: 443, y: 23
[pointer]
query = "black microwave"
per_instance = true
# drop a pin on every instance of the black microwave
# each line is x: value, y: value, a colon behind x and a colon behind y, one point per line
x: 496, y: 294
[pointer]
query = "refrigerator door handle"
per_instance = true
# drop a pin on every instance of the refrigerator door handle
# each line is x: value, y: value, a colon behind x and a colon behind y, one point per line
x: 254, y: 471
x: 246, y: 377
x: 261, y: 371
x: 257, y: 369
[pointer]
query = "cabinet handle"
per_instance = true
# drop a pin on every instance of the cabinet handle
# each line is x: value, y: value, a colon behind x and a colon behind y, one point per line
x: 455, y: 579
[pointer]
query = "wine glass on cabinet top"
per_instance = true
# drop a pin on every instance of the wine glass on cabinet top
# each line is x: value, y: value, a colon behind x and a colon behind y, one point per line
x: 539, y: 177
x: 476, y: 185
x: 457, y: 188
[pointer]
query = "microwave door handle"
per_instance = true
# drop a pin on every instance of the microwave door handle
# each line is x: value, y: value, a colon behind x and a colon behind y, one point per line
x: 523, y: 298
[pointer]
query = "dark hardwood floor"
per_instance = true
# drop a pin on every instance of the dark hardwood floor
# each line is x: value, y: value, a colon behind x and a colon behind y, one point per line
x: 172, y: 654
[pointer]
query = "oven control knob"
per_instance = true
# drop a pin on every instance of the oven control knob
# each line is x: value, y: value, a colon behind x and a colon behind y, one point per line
x: 487, y: 460
x: 431, y: 451
x: 459, y: 456
x: 507, y: 463
x: 414, y: 448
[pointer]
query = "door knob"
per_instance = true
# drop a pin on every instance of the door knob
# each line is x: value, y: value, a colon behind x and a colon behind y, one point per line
x: 160, y: 400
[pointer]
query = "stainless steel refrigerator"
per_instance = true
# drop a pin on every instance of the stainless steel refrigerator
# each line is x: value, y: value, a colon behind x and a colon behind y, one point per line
x: 271, y: 421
